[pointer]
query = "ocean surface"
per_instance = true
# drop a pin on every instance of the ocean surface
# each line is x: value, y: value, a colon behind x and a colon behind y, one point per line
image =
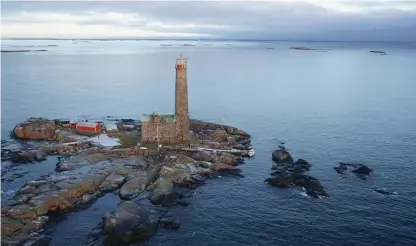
x: 344, y: 105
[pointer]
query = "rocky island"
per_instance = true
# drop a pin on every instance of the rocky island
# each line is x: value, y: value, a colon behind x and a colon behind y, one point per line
x: 88, y: 169
x: 155, y: 159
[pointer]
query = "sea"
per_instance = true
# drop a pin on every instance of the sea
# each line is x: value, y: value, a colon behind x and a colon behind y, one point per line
x: 341, y: 104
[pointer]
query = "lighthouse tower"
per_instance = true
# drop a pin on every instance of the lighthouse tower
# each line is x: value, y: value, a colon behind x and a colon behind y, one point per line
x: 181, y: 101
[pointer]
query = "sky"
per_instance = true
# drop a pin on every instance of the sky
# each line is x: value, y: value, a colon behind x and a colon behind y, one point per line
x: 334, y: 20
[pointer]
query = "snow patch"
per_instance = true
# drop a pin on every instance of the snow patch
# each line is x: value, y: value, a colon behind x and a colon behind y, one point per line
x: 105, y: 140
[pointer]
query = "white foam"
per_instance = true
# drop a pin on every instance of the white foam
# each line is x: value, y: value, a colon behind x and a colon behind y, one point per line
x: 105, y: 140
x: 303, y: 192
x: 8, y: 192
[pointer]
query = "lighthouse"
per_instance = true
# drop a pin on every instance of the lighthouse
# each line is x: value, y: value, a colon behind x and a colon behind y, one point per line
x: 181, y: 100
x: 170, y: 128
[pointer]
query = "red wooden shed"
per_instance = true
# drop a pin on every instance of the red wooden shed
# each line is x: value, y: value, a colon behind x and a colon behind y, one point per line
x: 88, y: 128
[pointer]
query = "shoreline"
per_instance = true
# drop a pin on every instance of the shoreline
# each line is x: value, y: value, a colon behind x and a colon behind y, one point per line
x: 88, y: 170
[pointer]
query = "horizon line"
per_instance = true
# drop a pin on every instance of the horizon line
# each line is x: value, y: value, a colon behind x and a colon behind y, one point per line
x: 211, y: 39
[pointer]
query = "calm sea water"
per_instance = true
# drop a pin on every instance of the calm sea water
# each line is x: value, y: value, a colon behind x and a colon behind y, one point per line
x: 343, y: 105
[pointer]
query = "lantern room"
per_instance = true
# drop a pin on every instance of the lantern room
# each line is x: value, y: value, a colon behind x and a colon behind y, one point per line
x: 181, y: 63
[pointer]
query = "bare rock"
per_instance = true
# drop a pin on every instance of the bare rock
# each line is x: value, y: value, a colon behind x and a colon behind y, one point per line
x: 81, y: 160
x: 35, y: 128
x: 204, y: 156
x: 160, y: 190
x: 231, y: 141
x: 224, y: 167
x: 219, y: 135
x: 227, y: 158
x: 128, y: 223
x: 280, y: 156
x: 134, y: 186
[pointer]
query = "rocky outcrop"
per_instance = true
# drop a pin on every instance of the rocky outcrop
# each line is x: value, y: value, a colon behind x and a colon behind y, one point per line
x: 90, y: 156
x: 36, y: 200
x: 129, y: 223
x: 27, y: 156
x: 220, y: 136
x: 361, y: 170
x: 288, y: 172
x: 86, y: 172
x: 134, y: 186
x: 62, y: 136
x: 35, y: 128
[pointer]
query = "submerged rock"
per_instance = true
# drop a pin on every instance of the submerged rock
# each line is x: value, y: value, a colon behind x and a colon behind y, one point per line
x: 385, y: 191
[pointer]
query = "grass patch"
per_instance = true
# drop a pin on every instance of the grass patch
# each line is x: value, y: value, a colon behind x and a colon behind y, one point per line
x: 127, y: 140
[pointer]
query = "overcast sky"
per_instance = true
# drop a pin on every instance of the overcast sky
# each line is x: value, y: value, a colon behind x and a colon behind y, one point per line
x: 268, y: 20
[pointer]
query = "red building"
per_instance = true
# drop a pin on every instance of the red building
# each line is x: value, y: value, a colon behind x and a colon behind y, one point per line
x: 88, y: 128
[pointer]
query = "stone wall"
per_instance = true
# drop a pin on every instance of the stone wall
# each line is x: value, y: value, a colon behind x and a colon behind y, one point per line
x: 166, y: 130
x: 134, y: 152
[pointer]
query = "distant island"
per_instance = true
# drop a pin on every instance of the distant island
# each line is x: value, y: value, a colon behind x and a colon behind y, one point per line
x: 9, y: 51
x: 378, y: 52
x: 306, y: 48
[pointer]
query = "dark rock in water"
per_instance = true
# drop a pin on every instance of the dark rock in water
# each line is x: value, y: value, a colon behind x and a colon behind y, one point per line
x: 302, y: 162
x: 339, y: 170
x: 360, y: 170
x: 281, y: 181
x: 311, y: 184
x: 282, y: 156
x: 169, y: 221
x: 384, y: 191
x: 363, y: 170
x: 128, y: 223
x: 290, y: 173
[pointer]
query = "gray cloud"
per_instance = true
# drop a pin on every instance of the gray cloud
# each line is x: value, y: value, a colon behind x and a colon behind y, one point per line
x: 312, y: 20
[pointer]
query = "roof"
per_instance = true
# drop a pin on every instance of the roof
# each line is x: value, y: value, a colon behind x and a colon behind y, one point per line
x: 110, y: 126
x: 164, y: 117
x: 87, y: 124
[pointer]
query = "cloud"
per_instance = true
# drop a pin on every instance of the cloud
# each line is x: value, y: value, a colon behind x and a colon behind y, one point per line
x: 276, y: 20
